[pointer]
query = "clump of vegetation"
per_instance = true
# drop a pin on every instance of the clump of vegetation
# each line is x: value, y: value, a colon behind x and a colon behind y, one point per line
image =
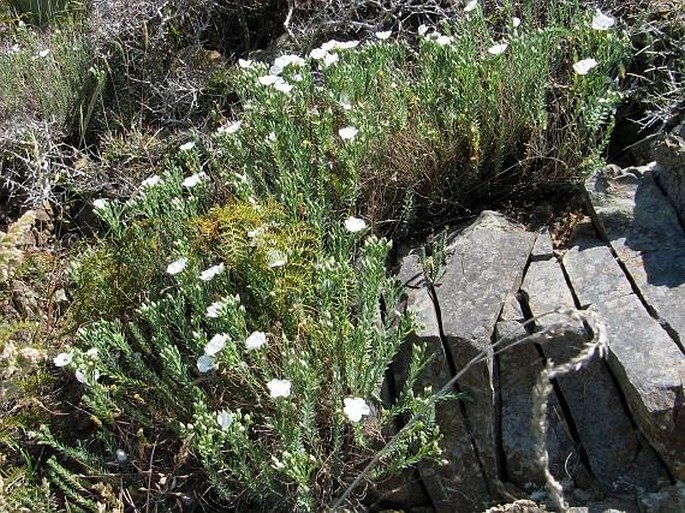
x: 232, y: 320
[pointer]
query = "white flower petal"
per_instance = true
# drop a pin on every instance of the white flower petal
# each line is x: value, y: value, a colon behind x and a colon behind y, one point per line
x: 443, y: 40
x: 582, y: 67
x: 330, y: 45
x: 215, y: 309
x: 383, y: 35
x: 471, y: 6
x: 256, y: 340
x: 275, y: 70
x: 212, y: 272
x: 423, y: 28
x: 289, y: 60
x: 44, y: 53
x: 187, y: 146
x: 283, y: 87
x: 348, y: 133
x: 355, y: 408
x: 347, y: 45
x: 87, y: 377
x: 195, y: 179
x: 279, y: 388
x: 63, y: 359
x: 92, y: 353
x: 216, y: 344
x: 276, y: 259
x: 330, y: 58
x: 229, y: 128
x: 150, y: 181
x: 498, y: 49
x: 318, y: 53
x: 601, y: 21
x: 516, y: 21
x: 177, y: 266
x: 224, y: 418
x: 268, y: 80
x: 205, y: 363
x: 354, y: 224
x: 100, y: 203
x: 244, y: 63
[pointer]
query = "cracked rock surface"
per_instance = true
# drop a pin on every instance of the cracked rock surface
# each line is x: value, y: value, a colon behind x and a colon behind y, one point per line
x: 615, y: 428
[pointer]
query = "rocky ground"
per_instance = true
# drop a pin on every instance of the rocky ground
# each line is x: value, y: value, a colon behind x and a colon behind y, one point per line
x: 614, y: 436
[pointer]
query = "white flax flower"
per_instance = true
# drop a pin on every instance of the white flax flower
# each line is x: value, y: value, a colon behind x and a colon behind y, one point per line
x: 187, y: 146
x: 355, y: 408
x: 582, y: 67
x: 224, y: 418
x: 63, y: 359
x: 205, y: 363
x: 354, y: 224
x: 498, y: 49
x: 195, y: 179
x: 601, y: 21
x: 348, y: 133
x: 214, y: 310
x: 471, y: 6
x: 279, y: 388
x: 177, y: 266
x: 216, y: 344
x: 383, y: 35
x: 212, y: 272
x: 256, y: 340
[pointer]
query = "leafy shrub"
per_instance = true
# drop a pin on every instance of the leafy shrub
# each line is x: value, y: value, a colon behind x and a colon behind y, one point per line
x: 236, y: 320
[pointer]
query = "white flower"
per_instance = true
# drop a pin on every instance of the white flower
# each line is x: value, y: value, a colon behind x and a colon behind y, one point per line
x: 347, y: 45
x: 279, y: 388
x: 286, y: 60
x: 177, y: 266
x: 256, y: 340
x: 216, y: 344
x: 330, y: 45
x: 100, y: 203
x: 195, y: 179
x: 215, y: 270
x: 275, y: 69
x: 224, y: 418
x: 383, y: 35
x: 443, y: 40
x: 355, y: 408
x: 348, y: 133
x: 205, y: 363
x: 498, y: 49
x: 63, y: 359
x: 582, y: 67
x: 516, y: 21
x: 92, y: 353
x: 471, y: 6
x: 601, y: 21
x: 187, y: 146
x: 244, y: 63
x: 268, y: 80
x: 423, y: 28
x: 276, y: 259
x: 15, y: 48
x: 229, y: 128
x: 214, y: 310
x: 330, y: 58
x: 44, y: 53
x: 354, y: 224
x: 150, y: 181
x: 255, y: 233
x: 86, y: 377
x: 318, y: 53
x: 283, y: 87
x: 297, y: 77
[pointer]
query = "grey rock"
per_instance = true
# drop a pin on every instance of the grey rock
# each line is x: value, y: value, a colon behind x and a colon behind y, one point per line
x: 644, y: 231
x: 603, y: 426
x: 543, y: 248
x: 670, y: 499
x: 485, y: 264
x: 650, y: 370
x: 458, y: 485
x: 670, y: 173
x: 520, y: 367
x: 595, y: 274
